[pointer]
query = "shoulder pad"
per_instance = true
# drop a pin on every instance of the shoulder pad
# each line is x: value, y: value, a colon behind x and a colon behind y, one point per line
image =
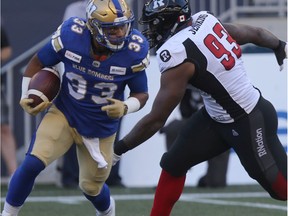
x: 140, y: 51
x: 63, y: 32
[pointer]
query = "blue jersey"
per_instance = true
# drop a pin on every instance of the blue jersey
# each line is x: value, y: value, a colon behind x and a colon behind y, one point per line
x: 86, y: 82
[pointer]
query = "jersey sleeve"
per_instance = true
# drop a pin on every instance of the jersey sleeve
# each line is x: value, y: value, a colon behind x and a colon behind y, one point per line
x: 138, y: 84
x: 63, y: 39
x: 47, y: 55
x: 173, y: 52
x: 170, y: 55
x: 139, y: 47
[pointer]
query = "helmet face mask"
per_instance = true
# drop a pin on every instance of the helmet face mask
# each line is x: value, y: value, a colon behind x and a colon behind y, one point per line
x: 111, y: 34
x: 110, y: 22
x: 163, y: 18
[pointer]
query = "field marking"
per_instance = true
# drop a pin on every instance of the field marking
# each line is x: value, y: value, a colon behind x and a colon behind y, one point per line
x: 233, y: 203
x: 196, y: 198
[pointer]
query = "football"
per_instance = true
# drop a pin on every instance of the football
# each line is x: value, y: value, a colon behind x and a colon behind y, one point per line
x: 44, y: 86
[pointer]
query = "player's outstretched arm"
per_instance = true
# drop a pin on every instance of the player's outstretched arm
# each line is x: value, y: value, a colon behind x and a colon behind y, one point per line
x: 244, y: 34
x: 171, y: 91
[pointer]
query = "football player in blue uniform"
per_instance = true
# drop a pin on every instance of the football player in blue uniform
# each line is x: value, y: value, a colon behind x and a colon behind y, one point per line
x: 101, y: 57
x: 201, y: 51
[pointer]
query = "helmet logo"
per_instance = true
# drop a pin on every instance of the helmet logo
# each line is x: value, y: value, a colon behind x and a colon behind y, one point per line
x: 182, y: 18
x: 158, y: 3
x: 90, y: 8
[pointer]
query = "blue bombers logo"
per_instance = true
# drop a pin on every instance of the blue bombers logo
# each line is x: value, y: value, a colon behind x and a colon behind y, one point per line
x: 158, y: 3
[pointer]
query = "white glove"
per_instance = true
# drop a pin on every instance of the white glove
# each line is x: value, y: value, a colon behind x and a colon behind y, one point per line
x: 116, y: 158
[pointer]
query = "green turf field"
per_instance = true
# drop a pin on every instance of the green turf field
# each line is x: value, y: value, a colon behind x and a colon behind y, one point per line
x: 251, y: 200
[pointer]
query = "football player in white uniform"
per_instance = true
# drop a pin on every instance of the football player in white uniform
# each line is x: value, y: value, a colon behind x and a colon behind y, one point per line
x: 202, y: 51
x: 101, y: 57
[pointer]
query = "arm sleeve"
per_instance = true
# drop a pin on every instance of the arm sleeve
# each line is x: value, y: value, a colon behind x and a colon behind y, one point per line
x: 47, y: 55
x: 138, y: 83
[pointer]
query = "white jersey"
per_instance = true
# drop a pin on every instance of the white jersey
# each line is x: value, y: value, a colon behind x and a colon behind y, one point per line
x: 220, y: 74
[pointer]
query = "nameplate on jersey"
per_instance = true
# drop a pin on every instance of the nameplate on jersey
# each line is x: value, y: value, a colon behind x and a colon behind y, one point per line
x: 73, y: 56
x: 117, y: 70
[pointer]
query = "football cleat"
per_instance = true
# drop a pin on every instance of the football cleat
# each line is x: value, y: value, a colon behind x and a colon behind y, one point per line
x: 4, y: 213
x: 110, y: 211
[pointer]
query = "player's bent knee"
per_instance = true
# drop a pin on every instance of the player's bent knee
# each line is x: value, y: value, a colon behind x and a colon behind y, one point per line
x: 280, y: 195
x: 91, y: 188
x: 32, y: 164
x: 171, y: 167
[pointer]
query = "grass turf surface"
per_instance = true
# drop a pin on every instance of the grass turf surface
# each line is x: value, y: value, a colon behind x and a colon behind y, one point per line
x: 49, y: 200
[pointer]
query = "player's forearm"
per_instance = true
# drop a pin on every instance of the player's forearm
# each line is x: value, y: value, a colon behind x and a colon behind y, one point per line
x: 142, y: 98
x: 265, y: 38
x: 33, y: 67
x: 244, y: 34
x: 143, y: 130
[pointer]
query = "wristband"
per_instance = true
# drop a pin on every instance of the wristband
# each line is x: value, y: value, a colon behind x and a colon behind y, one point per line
x: 120, y: 148
x: 25, y: 84
x: 133, y: 104
x: 280, y: 44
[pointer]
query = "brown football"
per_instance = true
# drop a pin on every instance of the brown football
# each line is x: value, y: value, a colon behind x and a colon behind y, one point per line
x: 44, y: 86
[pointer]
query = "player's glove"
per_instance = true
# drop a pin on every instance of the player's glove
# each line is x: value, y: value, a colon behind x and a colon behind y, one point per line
x: 116, y: 158
x: 26, y: 105
x: 120, y: 148
x: 281, y: 53
x: 116, y: 108
x: 26, y: 102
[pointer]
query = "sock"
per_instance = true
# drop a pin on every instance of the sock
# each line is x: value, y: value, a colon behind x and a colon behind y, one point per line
x: 102, y: 201
x: 280, y: 187
x: 167, y: 193
x: 23, y: 180
x: 9, y: 210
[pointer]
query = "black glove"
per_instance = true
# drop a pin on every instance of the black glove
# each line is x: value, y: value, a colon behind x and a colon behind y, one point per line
x: 120, y: 148
x: 281, y: 53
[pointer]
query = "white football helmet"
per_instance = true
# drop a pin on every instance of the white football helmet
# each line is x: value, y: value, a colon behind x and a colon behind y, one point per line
x: 107, y: 17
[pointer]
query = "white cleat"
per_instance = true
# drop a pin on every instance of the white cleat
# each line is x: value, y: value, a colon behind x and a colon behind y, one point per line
x: 110, y: 211
x: 5, y: 214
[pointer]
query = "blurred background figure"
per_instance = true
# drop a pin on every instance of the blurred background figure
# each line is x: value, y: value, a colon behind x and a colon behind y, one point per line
x: 217, y: 167
x: 8, y: 144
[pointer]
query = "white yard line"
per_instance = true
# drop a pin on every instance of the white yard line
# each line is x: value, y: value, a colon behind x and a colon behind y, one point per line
x: 196, y: 198
x: 234, y: 203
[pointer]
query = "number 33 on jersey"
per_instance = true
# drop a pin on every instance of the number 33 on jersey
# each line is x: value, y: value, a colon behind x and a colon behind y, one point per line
x: 86, y: 82
x: 208, y: 39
